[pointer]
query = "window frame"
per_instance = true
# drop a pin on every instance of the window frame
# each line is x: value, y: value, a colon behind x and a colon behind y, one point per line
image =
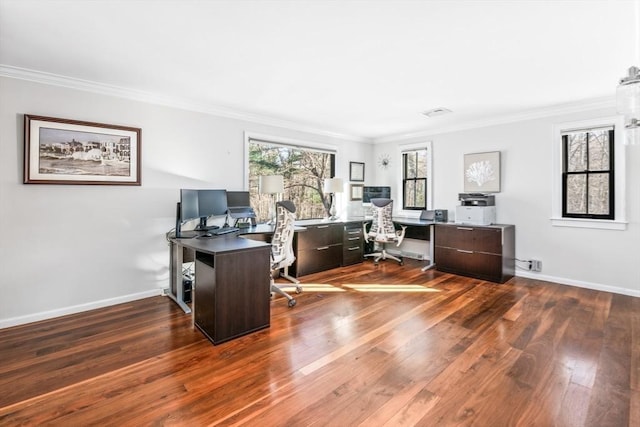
x: 587, y: 172
x: 619, y: 176
x: 402, y: 149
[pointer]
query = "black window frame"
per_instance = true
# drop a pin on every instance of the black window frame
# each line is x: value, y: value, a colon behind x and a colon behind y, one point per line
x: 586, y: 173
x: 415, y: 181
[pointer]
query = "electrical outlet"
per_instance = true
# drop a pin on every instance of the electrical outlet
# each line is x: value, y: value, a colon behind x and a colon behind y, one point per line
x: 535, y: 265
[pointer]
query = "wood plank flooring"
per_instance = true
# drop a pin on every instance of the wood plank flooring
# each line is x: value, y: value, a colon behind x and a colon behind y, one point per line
x: 366, y: 345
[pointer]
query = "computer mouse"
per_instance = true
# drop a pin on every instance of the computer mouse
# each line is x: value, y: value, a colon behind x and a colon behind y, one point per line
x: 207, y: 235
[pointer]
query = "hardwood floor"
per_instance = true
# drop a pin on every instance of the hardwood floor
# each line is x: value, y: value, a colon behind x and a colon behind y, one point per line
x: 366, y: 345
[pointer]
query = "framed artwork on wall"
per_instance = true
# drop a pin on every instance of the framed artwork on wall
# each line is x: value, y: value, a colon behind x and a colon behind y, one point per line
x: 482, y: 172
x: 62, y: 151
x: 356, y: 171
x: 357, y: 191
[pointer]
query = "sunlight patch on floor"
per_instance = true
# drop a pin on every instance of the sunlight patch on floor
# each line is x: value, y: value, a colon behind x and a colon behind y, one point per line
x: 373, y: 287
x: 311, y: 287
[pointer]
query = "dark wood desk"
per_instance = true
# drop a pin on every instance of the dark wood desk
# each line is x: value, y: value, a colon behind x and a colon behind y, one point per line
x: 232, y: 286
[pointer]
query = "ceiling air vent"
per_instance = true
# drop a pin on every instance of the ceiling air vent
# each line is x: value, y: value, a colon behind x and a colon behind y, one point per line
x: 436, y: 112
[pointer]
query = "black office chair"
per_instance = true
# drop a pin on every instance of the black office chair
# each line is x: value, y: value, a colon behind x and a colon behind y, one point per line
x: 282, y: 245
x: 383, y: 230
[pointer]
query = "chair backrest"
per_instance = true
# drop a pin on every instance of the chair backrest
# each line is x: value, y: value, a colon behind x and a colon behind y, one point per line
x: 282, y: 241
x: 382, y: 217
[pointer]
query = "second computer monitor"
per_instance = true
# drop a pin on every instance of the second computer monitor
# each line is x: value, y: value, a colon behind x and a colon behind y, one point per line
x: 238, y: 199
x: 369, y: 193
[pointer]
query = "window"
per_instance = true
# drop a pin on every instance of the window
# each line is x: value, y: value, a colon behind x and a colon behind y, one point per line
x: 304, y: 170
x: 414, y: 179
x: 588, y: 186
x: 587, y: 191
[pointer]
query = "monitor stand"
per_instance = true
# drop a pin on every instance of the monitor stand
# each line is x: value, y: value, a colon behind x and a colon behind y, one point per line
x: 203, y: 225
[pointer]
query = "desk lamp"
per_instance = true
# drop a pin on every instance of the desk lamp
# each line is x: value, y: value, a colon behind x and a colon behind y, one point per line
x: 272, y: 184
x: 333, y: 186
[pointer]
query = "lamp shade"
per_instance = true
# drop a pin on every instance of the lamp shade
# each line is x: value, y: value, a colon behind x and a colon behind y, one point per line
x: 333, y: 185
x: 628, y: 94
x: 271, y: 184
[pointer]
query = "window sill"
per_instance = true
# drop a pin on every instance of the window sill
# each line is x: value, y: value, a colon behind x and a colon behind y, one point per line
x: 589, y: 223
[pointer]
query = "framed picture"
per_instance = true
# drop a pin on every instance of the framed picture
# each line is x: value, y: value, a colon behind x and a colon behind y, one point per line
x: 356, y: 171
x: 61, y: 151
x: 482, y: 172
x: 356, y: 191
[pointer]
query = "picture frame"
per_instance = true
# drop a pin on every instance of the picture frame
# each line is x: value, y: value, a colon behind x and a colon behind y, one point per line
x: 356, y: 192
x: 482, y: 172
x: 356, y: 171
x: 63, y: 151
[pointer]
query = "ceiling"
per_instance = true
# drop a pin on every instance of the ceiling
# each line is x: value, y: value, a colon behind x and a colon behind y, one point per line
x: 359, y: 69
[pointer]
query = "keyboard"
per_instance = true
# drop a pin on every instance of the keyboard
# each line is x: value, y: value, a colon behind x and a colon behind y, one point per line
x: 223, y: 230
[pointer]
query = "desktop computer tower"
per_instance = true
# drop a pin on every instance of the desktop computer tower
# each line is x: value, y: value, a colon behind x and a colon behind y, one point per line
x: 187, y: 287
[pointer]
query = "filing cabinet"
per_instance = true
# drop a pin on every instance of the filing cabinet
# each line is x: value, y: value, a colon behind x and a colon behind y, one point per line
x: 484, y: 252
x: 352, y: 243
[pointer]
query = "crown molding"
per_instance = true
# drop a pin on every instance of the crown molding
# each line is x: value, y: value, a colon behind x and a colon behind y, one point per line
x: 553, y: 110
x: 167, y: 101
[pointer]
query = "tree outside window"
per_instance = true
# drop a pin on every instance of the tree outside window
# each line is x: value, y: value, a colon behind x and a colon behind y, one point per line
x: 304, y: 171
x: 414, y: 180
x: 588, y: 174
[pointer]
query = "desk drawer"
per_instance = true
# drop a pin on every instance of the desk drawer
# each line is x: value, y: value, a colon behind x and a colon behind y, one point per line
x: 317, y: 259
x: 317, y: 236
x: 352, y: 254
x: 469, y: 263
x: 352, y: 244
x: 469, y: 238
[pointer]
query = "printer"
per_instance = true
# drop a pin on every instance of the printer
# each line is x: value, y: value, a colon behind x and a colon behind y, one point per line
x: 476, y: 209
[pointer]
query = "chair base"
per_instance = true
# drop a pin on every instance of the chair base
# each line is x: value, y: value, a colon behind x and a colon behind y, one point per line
x: 383, y: 255
x: 291, y: 300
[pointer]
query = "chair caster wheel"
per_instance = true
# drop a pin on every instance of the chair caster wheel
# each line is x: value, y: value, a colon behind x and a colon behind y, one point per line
x: 298, y: 289
x: 292, y: 302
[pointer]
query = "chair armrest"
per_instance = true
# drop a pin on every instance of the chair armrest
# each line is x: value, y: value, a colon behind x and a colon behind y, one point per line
x: 400, y: 234
x: 364, y: 231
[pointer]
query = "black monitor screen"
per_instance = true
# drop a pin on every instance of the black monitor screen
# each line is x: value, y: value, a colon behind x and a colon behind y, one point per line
x: 202, y: 204
x: 369, y: 193
x: 189, y: 205
x: 212, y: 202
x: 238, y: 199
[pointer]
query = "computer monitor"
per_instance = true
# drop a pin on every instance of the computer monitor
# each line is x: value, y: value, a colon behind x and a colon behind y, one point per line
x: 369, y: 193
x: 238, y: 199
x: 202, y: 204
x: 188, y: 205
x: 211, y: 203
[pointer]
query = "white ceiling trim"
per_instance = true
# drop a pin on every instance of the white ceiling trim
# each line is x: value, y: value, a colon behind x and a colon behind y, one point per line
x: 184, y: 104
x: 553, y: 110
x: 157, y: 99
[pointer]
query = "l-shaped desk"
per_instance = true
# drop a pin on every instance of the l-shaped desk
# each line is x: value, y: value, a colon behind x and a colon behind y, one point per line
x: 232, y: 290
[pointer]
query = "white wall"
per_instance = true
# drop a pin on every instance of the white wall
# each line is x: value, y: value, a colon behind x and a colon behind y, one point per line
x: 597, y: 259
x: 68, y: 248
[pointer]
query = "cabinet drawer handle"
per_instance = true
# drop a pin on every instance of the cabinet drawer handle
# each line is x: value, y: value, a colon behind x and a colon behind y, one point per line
x: 323, y: 226
x: 355, y: 248
x: 464, y: 252
x: 322, y: 248
x: 354, y: 232
x: 354, y: 238
x: 465, y: 228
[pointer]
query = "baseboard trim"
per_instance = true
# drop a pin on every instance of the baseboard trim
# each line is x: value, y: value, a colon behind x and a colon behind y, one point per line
x: 579, y: 283
x: 44, y: 315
